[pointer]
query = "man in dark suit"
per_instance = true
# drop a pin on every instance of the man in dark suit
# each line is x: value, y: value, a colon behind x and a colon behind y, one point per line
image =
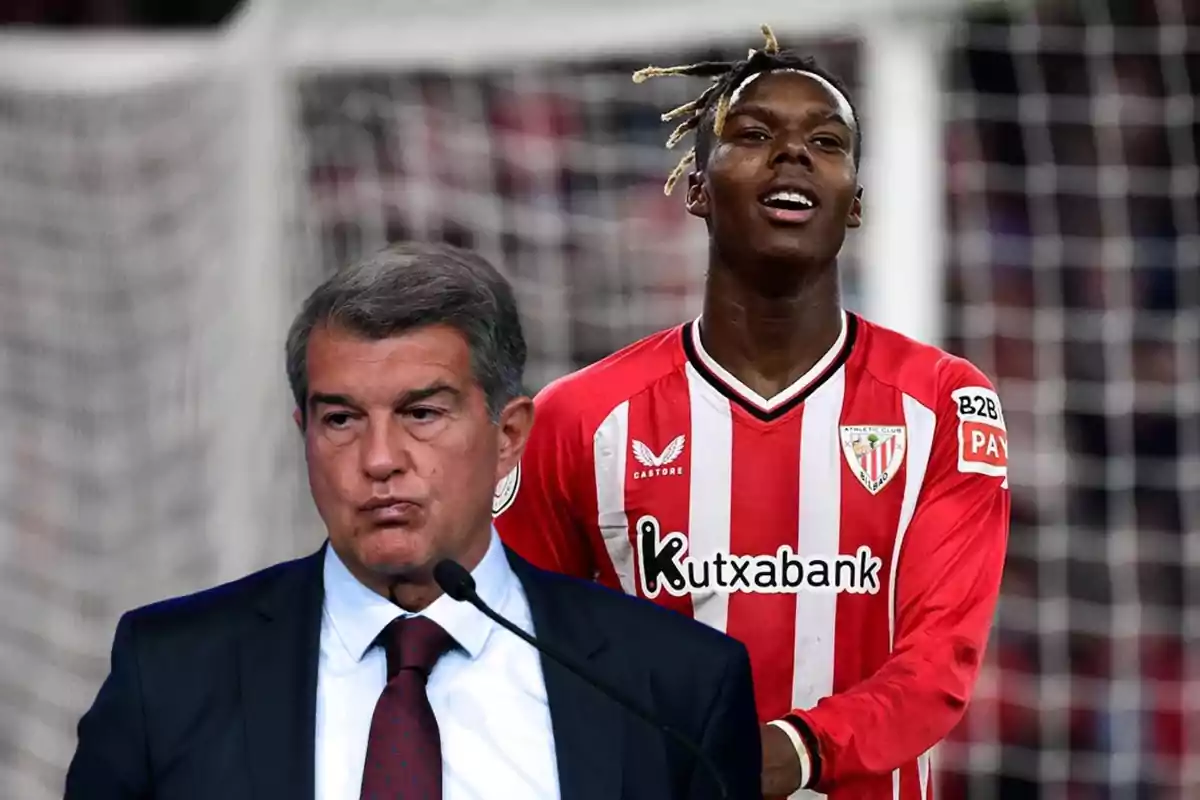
x: 349, y: 674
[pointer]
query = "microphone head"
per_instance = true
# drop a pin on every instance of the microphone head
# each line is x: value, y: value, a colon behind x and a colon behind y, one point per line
x: 454, y: 579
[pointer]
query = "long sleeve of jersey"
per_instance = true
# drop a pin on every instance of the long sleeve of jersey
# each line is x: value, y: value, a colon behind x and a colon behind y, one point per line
x: 947, y: 584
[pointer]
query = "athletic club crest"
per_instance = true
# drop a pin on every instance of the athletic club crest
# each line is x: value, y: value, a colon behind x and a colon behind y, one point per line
x: 506, y: 491
x: 874, y: 453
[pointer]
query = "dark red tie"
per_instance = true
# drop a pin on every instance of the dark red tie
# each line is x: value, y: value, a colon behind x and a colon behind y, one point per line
x: 404, y: 751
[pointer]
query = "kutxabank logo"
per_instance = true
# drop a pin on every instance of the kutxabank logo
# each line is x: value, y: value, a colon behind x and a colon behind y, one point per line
x: 664, y: 565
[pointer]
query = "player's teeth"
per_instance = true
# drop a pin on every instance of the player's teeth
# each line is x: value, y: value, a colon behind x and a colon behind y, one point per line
x: 790, y: 197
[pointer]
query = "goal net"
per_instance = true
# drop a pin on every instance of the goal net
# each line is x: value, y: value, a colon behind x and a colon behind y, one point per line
x: 1071, y: 147
x: 142, y: 415
x: 159, y: 224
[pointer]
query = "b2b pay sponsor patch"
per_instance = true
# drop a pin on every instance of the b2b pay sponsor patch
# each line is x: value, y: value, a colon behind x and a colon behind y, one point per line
x: 982, y: 435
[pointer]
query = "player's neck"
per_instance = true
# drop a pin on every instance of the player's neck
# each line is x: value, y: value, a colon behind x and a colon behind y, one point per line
x: 765, y: 338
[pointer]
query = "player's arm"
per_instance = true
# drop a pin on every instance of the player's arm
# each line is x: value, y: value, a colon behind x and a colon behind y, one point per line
x: 111, y: 760
x: 948, y: 582
x: 541, y: 510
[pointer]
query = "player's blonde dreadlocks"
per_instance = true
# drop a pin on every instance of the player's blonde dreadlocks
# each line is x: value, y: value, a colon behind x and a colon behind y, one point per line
x: 714, y: 101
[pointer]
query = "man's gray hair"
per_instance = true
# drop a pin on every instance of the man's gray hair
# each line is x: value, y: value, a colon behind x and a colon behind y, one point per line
x: 414, y: 285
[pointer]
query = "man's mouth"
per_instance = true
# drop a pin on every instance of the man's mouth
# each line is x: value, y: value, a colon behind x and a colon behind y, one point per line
x: 390, y: 511
x: 791, y: 206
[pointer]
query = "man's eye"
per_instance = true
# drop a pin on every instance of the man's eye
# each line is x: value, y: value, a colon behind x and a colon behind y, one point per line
x: 754, y: 135
x: 423, y: 414
x: 336, y: 420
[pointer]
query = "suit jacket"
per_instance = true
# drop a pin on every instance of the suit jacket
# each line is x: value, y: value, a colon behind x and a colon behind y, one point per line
x: 213, y: 696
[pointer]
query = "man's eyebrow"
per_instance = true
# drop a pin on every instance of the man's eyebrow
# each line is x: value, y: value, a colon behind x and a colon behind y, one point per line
x: 426, y: 392
x: 330, y: 399
x: 753, y: 110
x: 832, y: 115
x: 767, y: 114
x: 407, y: 398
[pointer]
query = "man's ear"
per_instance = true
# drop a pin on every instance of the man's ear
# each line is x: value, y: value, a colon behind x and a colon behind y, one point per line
x: 697, y: 195
x: 512, y: 431
x: 854, y: 218
x: 298, y: 417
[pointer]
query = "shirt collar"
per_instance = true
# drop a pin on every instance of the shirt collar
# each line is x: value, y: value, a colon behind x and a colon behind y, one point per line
x: 797, y: 386
x: 358, y: 614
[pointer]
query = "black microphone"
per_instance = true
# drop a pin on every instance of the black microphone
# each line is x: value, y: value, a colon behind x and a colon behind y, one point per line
x: 456, y: 582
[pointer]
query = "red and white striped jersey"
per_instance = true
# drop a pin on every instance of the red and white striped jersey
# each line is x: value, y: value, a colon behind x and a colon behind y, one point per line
x: 850, y: 531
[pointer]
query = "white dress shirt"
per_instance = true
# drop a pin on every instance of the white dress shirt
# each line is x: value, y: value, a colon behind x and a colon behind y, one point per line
x: 488, y: 694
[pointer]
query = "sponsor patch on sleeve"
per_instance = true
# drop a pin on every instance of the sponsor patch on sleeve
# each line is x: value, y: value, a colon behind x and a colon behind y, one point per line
x: 982, y: 435
x: 506, y: 491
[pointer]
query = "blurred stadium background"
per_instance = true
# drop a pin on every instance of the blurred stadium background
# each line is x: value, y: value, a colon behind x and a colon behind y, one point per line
x: 175, y: 176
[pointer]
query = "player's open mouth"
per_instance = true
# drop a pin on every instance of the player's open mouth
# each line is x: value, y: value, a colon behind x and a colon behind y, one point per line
x: 791, y: 206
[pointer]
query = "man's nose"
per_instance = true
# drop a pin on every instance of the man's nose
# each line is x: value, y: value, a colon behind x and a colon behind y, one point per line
x: 793, y: 149
x: 385, y: 450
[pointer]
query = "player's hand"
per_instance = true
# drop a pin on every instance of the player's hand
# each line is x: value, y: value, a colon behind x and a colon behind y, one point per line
x: 781, y: 764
